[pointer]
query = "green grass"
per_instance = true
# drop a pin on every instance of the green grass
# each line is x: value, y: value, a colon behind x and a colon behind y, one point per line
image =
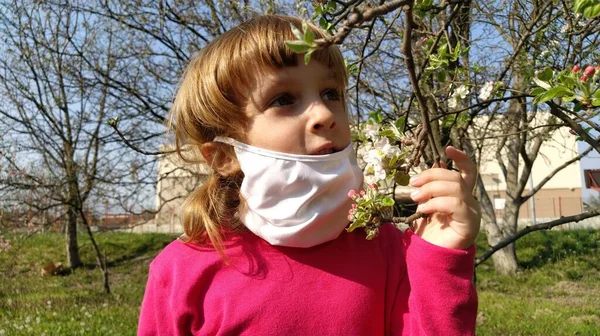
x: 557, y: 292
x: 75, y: 304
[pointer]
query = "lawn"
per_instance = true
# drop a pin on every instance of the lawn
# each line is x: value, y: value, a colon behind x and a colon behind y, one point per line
x: 557, y: 293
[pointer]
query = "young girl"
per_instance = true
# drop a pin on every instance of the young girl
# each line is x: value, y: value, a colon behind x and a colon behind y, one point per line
x: 265, y: 250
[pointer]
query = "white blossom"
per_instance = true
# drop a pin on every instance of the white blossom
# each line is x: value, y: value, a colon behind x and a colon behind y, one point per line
x: 462, y: 92
x: 486, y: 91
x: 377, y: 157
x: 545, y: 53
x: 372, y: 131
x: 565, y: 28
x: 386, y: 148
x: 452, y: 102
x: 374, y: 173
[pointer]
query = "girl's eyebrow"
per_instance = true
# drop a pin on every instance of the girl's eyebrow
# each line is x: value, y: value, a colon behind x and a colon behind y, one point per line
x: 328, y: 75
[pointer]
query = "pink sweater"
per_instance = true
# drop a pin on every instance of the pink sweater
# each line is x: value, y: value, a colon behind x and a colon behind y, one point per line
x: 396, y: 284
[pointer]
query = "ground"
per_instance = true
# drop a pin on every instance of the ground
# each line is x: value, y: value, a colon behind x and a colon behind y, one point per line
x: 557, y: 292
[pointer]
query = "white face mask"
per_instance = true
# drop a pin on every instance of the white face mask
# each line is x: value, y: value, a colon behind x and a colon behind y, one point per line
x: 296, y: 200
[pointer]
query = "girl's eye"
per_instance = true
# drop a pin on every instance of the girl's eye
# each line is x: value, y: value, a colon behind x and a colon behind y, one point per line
x: 331, y: 94
x: 282, y: 100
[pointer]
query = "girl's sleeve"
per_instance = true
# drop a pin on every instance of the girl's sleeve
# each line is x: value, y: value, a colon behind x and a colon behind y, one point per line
x: 436, y: 295
x: 151, y: 308
x: 157, y: 317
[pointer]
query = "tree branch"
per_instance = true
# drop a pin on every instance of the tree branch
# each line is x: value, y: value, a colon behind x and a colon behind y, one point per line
x: 528, y: 229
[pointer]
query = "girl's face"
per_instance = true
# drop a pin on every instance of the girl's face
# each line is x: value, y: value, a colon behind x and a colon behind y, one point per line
x: 298, y: 110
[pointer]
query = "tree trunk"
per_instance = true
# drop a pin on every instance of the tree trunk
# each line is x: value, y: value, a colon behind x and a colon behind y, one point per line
x: 73, y: 258
x: 505, y: 260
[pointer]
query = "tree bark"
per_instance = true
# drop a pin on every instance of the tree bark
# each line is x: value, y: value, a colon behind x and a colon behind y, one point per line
x: 73, y: 258
x: 505, y: 260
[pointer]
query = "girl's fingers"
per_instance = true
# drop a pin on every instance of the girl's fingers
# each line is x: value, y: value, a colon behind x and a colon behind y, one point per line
x: 459, y: 211
x: 435, y: 174
x: 468, y: 169
x: 438, y: 189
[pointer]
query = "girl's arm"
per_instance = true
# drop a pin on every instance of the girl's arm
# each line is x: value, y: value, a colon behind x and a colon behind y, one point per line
x: 436, y: 295
x: 437, y: 290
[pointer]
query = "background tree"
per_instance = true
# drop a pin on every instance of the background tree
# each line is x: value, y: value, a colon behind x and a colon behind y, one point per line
x: 60, y: 148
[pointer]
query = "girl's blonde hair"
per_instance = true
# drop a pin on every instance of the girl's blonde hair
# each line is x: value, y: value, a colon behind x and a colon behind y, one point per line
x: 210, y: 102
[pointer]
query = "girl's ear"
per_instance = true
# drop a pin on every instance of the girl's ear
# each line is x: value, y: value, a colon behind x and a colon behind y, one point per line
x: 224, y: 164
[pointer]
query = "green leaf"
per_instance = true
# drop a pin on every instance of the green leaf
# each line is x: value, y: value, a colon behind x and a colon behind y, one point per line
x: 298, y: 46
x: 388, y: 201
x: 331, y: 5
x: 443, y: 50
x: 297, y: 33
x: 309, y: 36
x: 441, y: 75
x: 555, y: 92
x: 596, y: 102
x: 376, y: 116
x: 307, y: 56
x: 546, y: 74
x: 541, y: 83
x: 387, y: 133
x: 589, y: 8
x: 323, y: 22
x: 356, y: 224
x: 400, y: 122
x: 318, y: 9
x: 537, y: 91
x: 402, y: 178
x: 597, y: 94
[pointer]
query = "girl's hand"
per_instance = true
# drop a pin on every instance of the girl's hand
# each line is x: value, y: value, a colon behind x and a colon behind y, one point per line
x: 447, y: 197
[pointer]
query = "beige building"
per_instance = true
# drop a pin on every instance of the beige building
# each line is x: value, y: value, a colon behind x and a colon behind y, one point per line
x: 175, y: 181
x: 560, y: 196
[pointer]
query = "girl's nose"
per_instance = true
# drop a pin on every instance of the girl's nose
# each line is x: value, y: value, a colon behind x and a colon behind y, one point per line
x: 322, y: 118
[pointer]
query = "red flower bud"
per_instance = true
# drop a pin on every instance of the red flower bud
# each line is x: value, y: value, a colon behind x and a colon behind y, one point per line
x: 354, y: 205
x: 584, y: 78
x: 373, y: 186
x: 352, y: 193
x: 576, y: 68
x: 362, y: 193
x: 589, y: 71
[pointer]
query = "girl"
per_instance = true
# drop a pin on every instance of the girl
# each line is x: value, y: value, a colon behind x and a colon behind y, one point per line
x: 265, y: 251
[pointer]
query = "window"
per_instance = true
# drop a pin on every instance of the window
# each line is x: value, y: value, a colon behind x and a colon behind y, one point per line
x: 592, y: 179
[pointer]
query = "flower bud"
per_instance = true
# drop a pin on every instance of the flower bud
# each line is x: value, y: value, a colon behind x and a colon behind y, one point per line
x: 352, y: 193
x: 576, y: 69
x: 362, y: 193
x: 373, y: 186
x: 584, y: 78
x: 589, y: 71
x: 354, y: 205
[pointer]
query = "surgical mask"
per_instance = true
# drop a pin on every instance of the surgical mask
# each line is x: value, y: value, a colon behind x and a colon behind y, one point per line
x: 296, y: 200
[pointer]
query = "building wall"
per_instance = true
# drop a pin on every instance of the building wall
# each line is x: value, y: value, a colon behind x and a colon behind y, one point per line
x: 549, y: 203
x: 176, y: 180
x: 561, y: 195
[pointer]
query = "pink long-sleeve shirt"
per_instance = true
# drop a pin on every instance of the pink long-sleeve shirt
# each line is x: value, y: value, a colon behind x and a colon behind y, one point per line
x: 396, y: 284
